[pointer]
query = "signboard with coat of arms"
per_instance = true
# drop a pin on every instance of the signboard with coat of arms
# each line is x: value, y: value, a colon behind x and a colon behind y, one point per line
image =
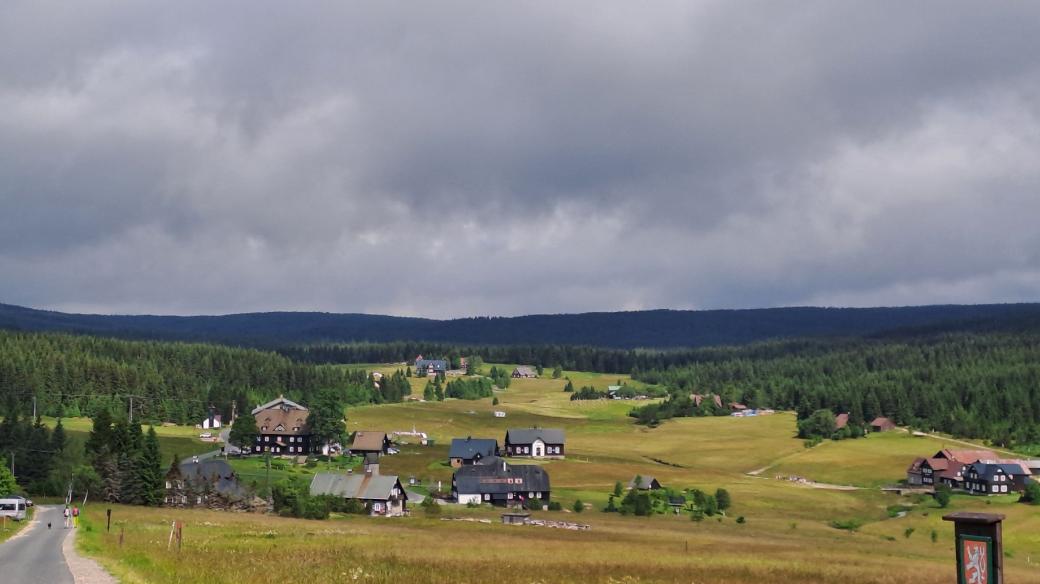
x: 975, y: 560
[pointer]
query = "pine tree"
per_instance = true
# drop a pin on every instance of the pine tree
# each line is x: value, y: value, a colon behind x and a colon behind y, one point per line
x: 244, y: 431
x: 58, y: 438
x: 149, y: 478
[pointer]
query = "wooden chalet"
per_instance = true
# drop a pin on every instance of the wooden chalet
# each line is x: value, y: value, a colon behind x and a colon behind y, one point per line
x: 944, y: 467
x: 697, y: 398
x: 882, y: 425
x: 283, y: 429
x: 646, y: 483
x: 366, y: 442
x: 429, y: 367
x: 208, y: 483
x: 525, y: 371
x: 382, y: 494
x: 840, y: 421
x: 535, y: 442
x: 982, y: 478
x: 469, y: 450
x: 494, y: 481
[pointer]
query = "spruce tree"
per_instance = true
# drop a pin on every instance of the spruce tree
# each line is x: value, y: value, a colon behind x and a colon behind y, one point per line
x: 149, y: 478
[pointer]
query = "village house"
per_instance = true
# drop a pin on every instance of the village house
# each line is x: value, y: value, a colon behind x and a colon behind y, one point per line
x: 210, y: 483
x: 697, y: 398
x: 494, y: 481
x: 535, y: 442
x: 882, y: 425
x: 382, y: 495
x: 524, y: 371
x: 953, y: 476
x: 984, y: 478
x: 365, y: 442
x: 212, y: 421
x: 736, y: 407
x: 840, y: 421
x: 468, y: 450
x: 945, y: 467
x: 283, y: 428
x: 646, y: 483
x: 429, y: 367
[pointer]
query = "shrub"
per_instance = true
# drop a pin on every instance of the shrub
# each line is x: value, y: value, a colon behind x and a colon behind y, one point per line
x: 942, y: 496
x: 579, y: 506
x: 722, y: 498
x: 908, y: 532
x: 847, y: 524
x: 430, y: 507
x: 741, y: 520
x: 555, y: 506
x: 1031, y: 494
x: 697, y: 515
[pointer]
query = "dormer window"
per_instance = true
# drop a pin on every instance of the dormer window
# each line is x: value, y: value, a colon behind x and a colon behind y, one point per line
x: 264, y: 428
x: 279, y: 428
x: 296, y: 429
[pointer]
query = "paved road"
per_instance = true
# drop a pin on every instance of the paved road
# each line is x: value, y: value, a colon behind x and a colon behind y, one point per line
x: 34, y: 556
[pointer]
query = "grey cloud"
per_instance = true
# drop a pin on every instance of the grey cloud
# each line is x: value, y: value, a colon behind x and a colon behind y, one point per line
x: 467, y: 158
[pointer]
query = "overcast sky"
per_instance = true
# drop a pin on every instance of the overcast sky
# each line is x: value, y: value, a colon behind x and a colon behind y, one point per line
x: 452, y: 159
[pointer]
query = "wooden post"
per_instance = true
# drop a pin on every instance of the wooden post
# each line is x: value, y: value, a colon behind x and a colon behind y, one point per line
x: 108, y: 525
x: 980, y: 547
x: 180, y: 535
x: 122, y: 533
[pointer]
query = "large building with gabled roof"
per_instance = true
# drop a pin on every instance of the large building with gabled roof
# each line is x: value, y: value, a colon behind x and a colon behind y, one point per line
x: 282, y: 428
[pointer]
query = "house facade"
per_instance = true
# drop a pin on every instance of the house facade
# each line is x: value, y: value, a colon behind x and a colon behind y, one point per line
x: 645, y: 483
x: 468, y: 450
x: 282, y: 428
x: 382, y: 495
x: 496, y: 482
x: 983, y: 478
x: 535, y: 442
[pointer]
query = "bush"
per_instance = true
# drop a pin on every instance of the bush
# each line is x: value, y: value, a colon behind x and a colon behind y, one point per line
x: 1031, y: 494
x: 847, y: 524
x: 908, y: 532
x: 741, y: 520
x: 579, y: 506
x: 697, y: 515
x: 494, y: 401
x: 555, y: 506
x: 942, y: 496
x: 430, y: 507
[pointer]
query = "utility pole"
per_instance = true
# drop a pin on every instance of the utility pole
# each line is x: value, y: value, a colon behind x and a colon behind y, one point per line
x: 34, y: 408
x: 131, y: 409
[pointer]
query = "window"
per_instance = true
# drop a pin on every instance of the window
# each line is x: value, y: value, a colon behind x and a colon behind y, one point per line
x: 267, y: 438
x: 292, y: 449
x: 1003, y: 488
x: 994, y: 488
x: 263, y: 429
x: 487, y: 497
x: 168, y: 485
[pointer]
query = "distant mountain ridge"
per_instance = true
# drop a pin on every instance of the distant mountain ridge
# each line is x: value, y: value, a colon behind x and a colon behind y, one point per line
x: 650, y: 328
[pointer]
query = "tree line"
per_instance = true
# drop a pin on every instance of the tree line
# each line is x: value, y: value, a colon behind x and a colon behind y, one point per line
x: 71, y: 376
x: 978, y: 386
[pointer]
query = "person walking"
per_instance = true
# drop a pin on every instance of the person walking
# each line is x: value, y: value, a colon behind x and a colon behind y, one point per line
x: 67, y: 514
x: 75, y: 517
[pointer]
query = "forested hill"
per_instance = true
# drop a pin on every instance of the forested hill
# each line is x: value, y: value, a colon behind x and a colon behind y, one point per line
x: 653, y: 328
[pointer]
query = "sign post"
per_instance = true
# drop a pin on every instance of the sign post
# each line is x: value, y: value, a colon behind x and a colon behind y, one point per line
x: 980, y: 547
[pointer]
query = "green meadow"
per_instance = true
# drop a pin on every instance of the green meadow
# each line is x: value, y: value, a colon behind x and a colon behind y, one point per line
x: 787, y: 533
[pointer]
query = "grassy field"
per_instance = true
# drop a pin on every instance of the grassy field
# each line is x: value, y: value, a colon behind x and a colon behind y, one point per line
x: 787, y: 534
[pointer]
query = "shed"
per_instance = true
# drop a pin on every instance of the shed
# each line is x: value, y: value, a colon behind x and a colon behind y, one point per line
x: 516, y: 518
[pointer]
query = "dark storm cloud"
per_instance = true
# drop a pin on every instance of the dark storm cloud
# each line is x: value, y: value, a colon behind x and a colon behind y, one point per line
x: 473, y: 158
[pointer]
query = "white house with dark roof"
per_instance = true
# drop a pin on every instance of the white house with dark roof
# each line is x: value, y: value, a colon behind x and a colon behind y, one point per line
x: 535, y: 442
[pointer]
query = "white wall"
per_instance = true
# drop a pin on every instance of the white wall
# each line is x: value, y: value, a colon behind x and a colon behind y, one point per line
x: 466, y: 499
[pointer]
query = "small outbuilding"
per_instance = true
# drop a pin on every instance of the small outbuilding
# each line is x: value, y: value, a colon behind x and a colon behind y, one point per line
x: 882, y: 425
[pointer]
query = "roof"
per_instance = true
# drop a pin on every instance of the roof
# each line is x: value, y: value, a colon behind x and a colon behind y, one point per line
x: 883, y: 422
x: 282, y: 412
x: 645, y: 482
x: 218, y: 474
x: 369, y: 487
x: 468, y: 448
x: 915, y: 466
x: 939, y: 464
x: 840, y: 421
x: 436, y: 364
x: 966, y: 456
x: 365, y: 440
x: 953, y: 471
x: 613, y: 388
x: 524, y: 370
x: 279, y: 401
x: 698, y: 398
x: 529, y: 435
x: 501, y: 478
x: 988, y: 470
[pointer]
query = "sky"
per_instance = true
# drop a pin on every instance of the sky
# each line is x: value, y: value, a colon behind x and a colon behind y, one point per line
x: 449, y: 159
